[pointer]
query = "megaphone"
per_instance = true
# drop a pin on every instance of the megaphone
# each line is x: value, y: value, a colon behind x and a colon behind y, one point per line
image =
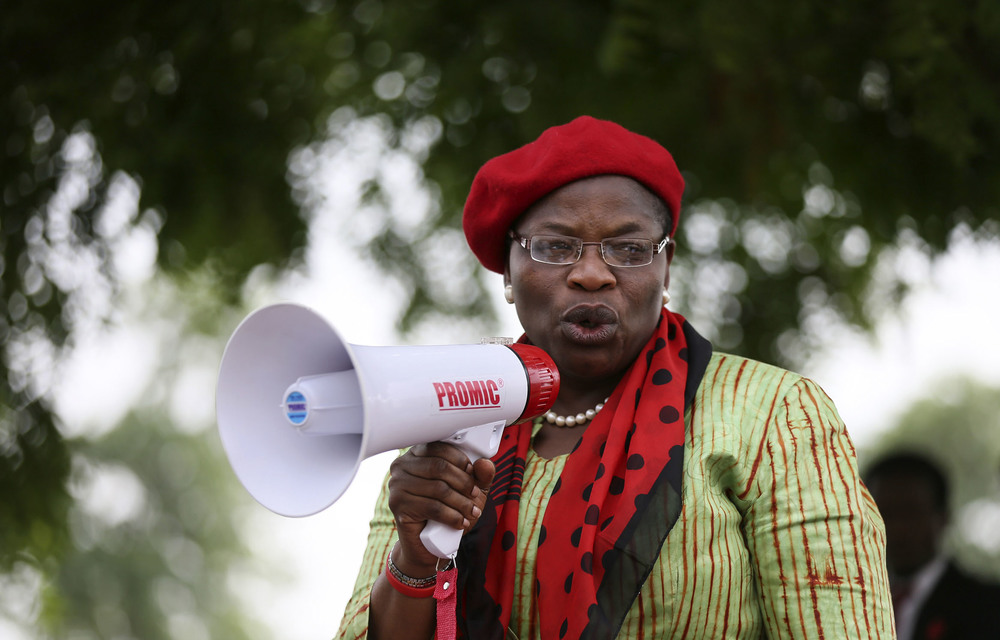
x: 298, y: 408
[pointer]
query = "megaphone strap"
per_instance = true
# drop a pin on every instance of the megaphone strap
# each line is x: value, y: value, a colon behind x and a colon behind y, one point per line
x: 445, y: 592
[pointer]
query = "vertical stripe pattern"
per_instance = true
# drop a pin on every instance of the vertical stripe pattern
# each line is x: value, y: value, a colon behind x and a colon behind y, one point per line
x: 777, y: 537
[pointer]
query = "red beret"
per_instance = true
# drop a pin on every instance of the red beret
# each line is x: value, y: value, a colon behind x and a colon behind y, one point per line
x: 507, y: 185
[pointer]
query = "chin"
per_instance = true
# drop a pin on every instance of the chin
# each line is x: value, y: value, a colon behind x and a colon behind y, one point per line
x: 590, y: 362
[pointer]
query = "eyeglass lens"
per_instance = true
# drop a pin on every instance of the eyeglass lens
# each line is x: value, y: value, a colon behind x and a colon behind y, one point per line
x: 617, y: 252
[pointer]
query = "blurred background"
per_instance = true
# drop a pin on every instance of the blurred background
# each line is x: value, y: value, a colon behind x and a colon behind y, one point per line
x: 166, y: 168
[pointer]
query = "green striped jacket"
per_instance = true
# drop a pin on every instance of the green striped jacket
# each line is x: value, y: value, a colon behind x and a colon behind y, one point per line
x: 777, y: 537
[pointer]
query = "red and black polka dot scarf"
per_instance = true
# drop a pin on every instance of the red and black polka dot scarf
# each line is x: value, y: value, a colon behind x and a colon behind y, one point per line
x: 611, y: 509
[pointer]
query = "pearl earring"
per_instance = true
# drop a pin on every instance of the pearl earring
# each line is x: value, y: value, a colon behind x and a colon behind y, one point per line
x: 508, y: 294
x: 666, y: 297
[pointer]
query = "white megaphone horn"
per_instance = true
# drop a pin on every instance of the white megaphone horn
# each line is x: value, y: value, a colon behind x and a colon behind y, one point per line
x: 299, y: 408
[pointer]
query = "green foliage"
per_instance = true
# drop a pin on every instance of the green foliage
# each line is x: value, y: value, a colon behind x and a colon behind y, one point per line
x: 844, y: 123
x: 152, y: 546
x: 34, y: 464
x: 200, y: 105
x: 154, y: 559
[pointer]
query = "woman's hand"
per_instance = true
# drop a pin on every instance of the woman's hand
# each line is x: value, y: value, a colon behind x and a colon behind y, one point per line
x: 434, y: 481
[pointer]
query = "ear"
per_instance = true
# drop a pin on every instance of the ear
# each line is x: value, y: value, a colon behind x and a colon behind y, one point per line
x: 506, y: 267
x: 669, y: 250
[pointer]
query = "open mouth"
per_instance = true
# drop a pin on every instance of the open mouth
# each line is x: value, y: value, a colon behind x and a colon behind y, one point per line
x: 589, y: 324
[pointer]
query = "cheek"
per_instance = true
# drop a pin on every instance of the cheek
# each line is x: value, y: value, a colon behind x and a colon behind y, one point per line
x: 649, y: 293
x: 529, y: 279
x: 650, y: 313
x: 647, y: 301
x: 533, y: 302
x: 533, y: 295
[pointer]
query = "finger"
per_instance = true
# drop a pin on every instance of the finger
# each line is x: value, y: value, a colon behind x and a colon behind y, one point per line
x: 426, y: 483
x: 417, y: 510
x: 420, y: 497
x: 443, y: 461
x: 483, y: 472
x: 445, y: 451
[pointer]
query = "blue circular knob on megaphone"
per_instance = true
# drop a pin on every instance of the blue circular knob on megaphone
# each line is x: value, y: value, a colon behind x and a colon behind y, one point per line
x: 299, y: 408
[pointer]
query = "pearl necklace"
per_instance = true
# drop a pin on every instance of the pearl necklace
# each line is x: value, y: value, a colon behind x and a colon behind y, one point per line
x: 571, y: 421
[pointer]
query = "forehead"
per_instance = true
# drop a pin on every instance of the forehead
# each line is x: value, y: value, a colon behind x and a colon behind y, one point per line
x: 608, y: 205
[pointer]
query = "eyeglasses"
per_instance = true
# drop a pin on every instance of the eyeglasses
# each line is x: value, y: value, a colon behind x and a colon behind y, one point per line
x: 617, y: 252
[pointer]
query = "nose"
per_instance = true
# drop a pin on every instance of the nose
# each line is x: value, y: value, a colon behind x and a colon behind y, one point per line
x: 591, y: 272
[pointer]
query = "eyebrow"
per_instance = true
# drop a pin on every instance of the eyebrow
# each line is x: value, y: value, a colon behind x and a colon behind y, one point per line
x: 560, y: 228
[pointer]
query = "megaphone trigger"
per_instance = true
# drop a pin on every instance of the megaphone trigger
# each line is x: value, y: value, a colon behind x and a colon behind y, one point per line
x: 287, y: 374
x: 481, y: 441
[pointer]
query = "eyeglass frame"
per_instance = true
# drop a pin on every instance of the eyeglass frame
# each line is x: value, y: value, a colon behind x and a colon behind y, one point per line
x: 525, y: 243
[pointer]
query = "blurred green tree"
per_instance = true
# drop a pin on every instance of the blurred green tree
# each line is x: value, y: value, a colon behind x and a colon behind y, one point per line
x: 155, y: 545
x: 812, y: 135
x: 197, y: 105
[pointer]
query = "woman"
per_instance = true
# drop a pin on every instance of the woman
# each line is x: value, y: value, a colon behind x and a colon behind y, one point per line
x: 681, y: 494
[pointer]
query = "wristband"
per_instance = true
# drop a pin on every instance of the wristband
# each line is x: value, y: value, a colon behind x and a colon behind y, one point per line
x: 406, y: 590
x: 407, y: 585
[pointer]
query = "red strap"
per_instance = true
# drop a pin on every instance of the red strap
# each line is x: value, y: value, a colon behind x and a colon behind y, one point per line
x: 444, y: 591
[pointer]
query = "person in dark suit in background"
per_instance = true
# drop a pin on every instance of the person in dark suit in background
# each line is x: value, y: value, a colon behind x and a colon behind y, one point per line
x: 933, y: 598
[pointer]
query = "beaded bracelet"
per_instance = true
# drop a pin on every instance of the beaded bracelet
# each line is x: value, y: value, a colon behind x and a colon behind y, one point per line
x: 407, y: 585
x: 406, y: 590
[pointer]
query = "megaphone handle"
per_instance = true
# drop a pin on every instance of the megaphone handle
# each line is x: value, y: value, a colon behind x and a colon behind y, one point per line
x: 481, y: 441
x: 440, y: 539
